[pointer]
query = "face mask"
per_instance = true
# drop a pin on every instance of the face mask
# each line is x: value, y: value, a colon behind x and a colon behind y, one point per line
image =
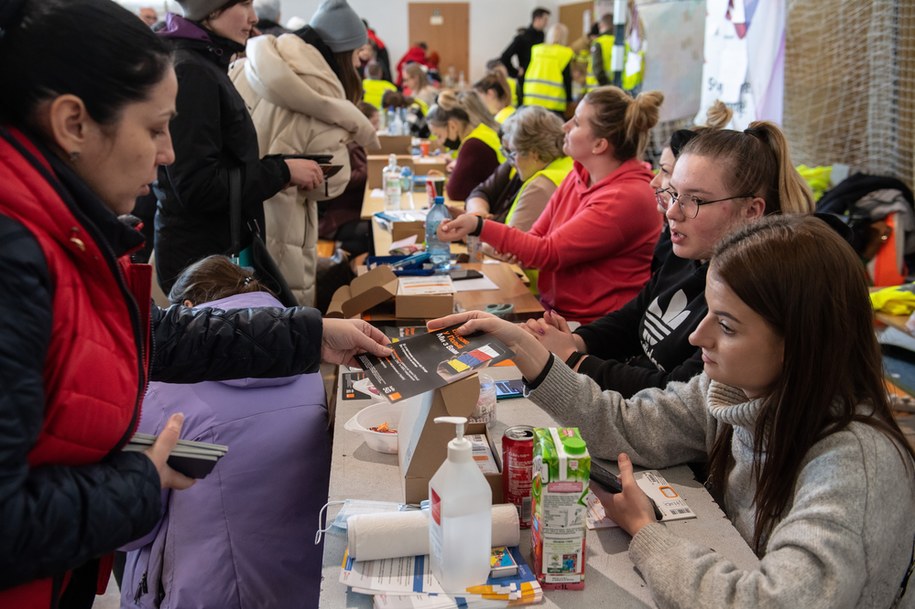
x: 351, y: 507
x: 452, y: 144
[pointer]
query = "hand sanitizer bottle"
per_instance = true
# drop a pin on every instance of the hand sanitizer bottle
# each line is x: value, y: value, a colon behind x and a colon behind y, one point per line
x: 460, y: 518
x: 392, y: 184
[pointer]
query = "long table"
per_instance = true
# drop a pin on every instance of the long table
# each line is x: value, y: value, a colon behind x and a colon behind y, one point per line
x: 611, y: 581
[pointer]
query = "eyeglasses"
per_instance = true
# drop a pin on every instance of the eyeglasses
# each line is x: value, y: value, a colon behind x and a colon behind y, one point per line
x: 689, y: 204
x: 510, y: 155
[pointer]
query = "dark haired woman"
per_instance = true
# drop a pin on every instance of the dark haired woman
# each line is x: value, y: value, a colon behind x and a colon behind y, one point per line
x: 791, y: 415
x: 212, y: 134
x: 83, y: 127
x: 301, y: 90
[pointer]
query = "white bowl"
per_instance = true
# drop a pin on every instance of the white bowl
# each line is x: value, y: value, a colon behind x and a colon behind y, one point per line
x: 372, y: 416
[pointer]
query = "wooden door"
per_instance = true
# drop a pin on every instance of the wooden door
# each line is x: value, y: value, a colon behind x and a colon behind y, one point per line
x: 573, y: 17
x: 446, y: 29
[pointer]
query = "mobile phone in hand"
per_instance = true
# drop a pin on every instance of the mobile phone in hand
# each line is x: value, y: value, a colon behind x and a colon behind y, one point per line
x: 611, y: 482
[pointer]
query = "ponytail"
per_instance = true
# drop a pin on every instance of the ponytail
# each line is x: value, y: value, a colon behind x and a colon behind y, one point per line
x: 793, y: 192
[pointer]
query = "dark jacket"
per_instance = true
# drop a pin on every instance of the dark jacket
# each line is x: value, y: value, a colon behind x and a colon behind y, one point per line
x: 646, y: 343
x: 211, y: 134
x: 499, y: 190
x: 520, y: 47
x: 47, y: 486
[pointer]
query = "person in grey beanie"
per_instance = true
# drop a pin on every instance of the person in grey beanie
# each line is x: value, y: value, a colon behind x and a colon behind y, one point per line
x: 301, y: 91
x: 213, y: 136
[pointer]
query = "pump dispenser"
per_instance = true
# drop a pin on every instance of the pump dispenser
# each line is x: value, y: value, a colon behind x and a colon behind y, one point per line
x: 460, y: 519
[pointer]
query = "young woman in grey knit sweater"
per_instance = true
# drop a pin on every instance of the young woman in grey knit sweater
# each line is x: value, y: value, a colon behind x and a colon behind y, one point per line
x: 790, y: 413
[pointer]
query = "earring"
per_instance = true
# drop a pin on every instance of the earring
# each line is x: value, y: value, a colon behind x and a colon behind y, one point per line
x: 74, y: 156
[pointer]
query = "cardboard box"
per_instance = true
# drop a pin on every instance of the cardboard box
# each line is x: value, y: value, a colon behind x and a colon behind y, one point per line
x: 363, y: 293
x: 376, y: 164
x: 423, y: 443
x: 405, y: 228
x: 395, y: 144
x: 373, y: 289
x: 424, y: 297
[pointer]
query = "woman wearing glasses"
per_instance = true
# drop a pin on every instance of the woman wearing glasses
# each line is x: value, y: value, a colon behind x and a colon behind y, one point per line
x: 721, y: 181
x: 803, y: 452
x: 593, y: 242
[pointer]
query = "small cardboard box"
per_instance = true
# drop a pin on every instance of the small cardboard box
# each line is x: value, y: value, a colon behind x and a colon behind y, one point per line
x: 364, y: 292
x: 395, y: 144
x: 423, y: 443
x: 405, y: 228
x: 424, y: 297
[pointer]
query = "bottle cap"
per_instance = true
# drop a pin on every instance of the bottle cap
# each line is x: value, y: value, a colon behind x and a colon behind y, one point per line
x: 439, y: 200
x: 574, y: 445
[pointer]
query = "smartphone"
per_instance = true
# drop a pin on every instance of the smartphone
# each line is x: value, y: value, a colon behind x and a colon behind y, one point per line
x: 330, y: 170
x: 506, y: 390
x: 611, y: 482
x: 461, y: 274
x: 320, y: 159
x: 605, y: 478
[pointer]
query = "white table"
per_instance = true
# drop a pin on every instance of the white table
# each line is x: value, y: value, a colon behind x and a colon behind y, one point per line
x: 611, y: 580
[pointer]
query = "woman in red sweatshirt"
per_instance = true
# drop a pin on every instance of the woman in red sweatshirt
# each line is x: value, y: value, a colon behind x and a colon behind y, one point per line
x: 594, y: 241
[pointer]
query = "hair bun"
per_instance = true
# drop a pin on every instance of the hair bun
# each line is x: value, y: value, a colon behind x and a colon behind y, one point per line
x: 644, y: 112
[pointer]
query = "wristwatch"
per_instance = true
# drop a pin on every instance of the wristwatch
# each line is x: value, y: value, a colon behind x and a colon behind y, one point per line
x: 573, y: 359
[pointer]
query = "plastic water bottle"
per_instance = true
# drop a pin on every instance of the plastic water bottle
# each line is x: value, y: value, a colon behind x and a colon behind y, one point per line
x: 395, y: 127
x: 460, y: 516
x: 404, y: 123
x: 391, y: 179
x: 439, y: 251
x: 406, y: 184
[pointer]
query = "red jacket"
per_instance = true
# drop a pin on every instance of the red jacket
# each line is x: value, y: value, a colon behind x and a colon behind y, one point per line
x: 593, y: 245
x: 94, y: 367
x: 413, y: 55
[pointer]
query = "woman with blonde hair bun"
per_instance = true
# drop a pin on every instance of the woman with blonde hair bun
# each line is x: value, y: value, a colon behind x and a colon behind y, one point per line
x: 723, y: 180
x: 593, y: 242
x: 463, y: 124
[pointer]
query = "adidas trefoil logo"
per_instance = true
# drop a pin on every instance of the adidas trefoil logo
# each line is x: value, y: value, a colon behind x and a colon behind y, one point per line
x: 659, y: 324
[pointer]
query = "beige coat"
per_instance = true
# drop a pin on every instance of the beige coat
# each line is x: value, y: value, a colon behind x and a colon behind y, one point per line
x: 298, y: 107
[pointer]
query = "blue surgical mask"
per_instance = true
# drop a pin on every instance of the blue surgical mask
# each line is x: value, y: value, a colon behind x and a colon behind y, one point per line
x: 351, y: 507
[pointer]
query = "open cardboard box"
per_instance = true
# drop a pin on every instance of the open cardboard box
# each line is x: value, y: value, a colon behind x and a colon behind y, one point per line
x: 363, y: 293
x: 423, y: 443
x: 378, y: 287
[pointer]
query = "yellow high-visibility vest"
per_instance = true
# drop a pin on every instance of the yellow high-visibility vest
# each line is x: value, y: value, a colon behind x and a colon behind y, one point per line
x: 606, y: 51
x: 543, y: 83
x: 373, y: 90
x: 504, y: 113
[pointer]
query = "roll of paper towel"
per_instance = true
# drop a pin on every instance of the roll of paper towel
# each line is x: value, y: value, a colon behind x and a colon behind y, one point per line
x: 395, y: 534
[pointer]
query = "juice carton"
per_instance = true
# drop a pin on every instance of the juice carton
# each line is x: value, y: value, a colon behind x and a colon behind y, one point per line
x: 559, y: 487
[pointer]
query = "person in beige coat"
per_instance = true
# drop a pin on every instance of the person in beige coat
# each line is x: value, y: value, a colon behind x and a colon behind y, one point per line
x: 301, y: 90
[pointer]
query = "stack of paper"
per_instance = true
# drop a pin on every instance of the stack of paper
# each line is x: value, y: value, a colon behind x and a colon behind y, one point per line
x: 408, y: 583
x: 193, y: 459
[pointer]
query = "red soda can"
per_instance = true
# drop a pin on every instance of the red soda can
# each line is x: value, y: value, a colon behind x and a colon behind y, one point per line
x: 517, y: 464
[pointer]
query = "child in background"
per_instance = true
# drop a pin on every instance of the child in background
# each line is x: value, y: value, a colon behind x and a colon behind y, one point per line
x: 374, y: 86
x: 245, y: 536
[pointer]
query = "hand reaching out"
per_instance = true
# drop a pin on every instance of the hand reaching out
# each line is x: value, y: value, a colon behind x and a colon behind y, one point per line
x: 343, y: 339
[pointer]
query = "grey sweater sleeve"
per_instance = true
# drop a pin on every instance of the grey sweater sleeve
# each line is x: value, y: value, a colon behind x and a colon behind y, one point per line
x: 845, y: 540
x: 656, y: 427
